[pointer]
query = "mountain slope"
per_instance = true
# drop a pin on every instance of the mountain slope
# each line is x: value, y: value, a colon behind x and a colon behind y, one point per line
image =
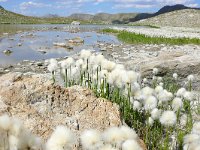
x: 180, y: 18
x: 123, y: 18
x: 166, y: 16
x: 8, y: 17
x: 167, y: 9
x: 104, y: 17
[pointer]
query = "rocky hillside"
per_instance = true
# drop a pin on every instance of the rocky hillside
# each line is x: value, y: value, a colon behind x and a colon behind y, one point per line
x: 123, y: 18
x: 167, y: 9
x: 8, y: 17
x: 105, y: 17
x: 180, y: 18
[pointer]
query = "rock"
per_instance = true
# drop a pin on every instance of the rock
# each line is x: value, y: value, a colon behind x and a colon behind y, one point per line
x: 19, y: 44
x: 42, y: 106
x: 59, y: 44
x: 75, y: 23
x: 42, y: 51
x: 7, y: 52
x: 5, y: 33
x: 39, y: 63
x: 76, y: 40
x: 103, y: 49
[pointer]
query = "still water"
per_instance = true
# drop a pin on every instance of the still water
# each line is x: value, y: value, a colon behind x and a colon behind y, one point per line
x: 35, y: 42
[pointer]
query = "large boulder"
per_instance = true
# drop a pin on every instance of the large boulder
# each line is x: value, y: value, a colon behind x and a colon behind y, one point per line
x: 42, y: 106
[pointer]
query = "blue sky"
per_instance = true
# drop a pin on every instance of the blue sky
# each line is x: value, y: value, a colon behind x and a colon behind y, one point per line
x: 67, y: 7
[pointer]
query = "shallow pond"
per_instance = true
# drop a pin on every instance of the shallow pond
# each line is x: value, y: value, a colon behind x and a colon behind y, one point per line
x: 35, y: 42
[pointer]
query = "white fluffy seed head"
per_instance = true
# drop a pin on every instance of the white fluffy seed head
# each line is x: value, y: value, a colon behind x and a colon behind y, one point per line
x: 113, y: 135
x: 64, y: 64
x: 5, y: 122
x: 188, y: 95
x: 175, y: 76
x: 52, y: 67
x: 177, y: 103
x: 92, y: 60
x: 193, y: 146
x: 150, y: 103
x: 120, y: 67
x: 168, y: 118
x: 150, y: 121
x: 128, y: 133
x: 138, y: 95
x: 99, y: 59
x: 145, y: 80
x: 136, y: 105
x: 155, y: 113
x: 16, y: 127
x: 161, y: 84
x: 133, y: 76
x: 155, y: 71
x: 190, y: 138
x: 29, y: 141
x: 183, y: 120
x: 108, y: 65
x: 85, y: 54
x: 53, y: 61
x: 147, y: 91
x: 103, y: 74
x: 131, y: 145
x: 61, y: 137
x: 107, y: 147
x: 67, y: 63
x: 165, y: 96
x: 159, y: 79
x: 70, y: 61
x: 158, y: 89
x: 90, y: 138
x: 13, y: 142
x: 79, y: 63
x: 196, y: 128
x: 180, y: 92
x: 154, y: 78
x: 135, y: 87
x: 190, y: 78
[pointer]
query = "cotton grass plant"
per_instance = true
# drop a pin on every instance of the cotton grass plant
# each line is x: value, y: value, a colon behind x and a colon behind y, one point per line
x: 14, y: 136
x: 160, y: 111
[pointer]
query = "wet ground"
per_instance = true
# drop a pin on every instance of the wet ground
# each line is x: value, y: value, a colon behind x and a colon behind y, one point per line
x: 37, y: 43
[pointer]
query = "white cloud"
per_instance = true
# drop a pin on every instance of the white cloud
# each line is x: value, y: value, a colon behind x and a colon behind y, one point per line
x: 26, y: 5
x: 193, y: 5
x: 122, y: 4
x: 3, y: 0
x: 148, y: 3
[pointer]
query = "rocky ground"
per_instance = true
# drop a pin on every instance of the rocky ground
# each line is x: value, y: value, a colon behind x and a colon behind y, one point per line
x: 182, y: 18
x: 183, y: 60
x: 42, y: 106
x: 168, y: 32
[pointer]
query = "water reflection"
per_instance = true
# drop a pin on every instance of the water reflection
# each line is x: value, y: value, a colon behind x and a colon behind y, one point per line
x: 37, y: 44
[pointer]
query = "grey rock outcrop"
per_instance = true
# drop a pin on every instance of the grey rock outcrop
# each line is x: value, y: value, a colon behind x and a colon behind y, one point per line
x: 42, y: 106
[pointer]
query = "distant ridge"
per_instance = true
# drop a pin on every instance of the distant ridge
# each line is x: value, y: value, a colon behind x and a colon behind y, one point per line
x: 51, y: 16
x: 180, y: 18
x: 8, y: 17
x: 167, y: 9
x: 123, y: 18
x: 163, y: 10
